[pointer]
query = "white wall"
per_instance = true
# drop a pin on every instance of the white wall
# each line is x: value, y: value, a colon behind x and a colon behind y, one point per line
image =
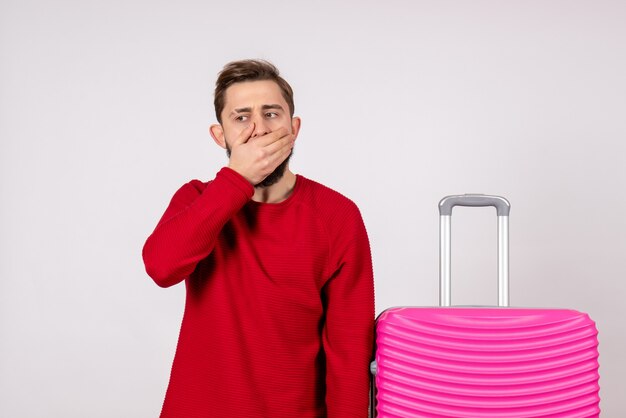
x: 103, y: 114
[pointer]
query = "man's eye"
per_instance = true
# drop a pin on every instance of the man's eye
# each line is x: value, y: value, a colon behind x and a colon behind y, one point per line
x: 241, y: 118
x: 271, y: 115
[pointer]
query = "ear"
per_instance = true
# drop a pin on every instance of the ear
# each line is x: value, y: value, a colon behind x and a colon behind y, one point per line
x: 217, y: 133
x: 295, y: 125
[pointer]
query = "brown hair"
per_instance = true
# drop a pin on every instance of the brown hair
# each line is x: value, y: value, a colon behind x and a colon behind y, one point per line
x: 248, y: 70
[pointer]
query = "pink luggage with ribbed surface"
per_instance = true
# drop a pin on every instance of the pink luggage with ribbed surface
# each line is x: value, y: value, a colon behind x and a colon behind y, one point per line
x: 475, y: 362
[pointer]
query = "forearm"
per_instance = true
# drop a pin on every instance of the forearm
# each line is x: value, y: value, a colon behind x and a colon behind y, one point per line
x: 190, y: 226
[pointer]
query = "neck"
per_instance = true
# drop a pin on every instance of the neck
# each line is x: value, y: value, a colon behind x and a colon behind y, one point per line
x: 278, y: 191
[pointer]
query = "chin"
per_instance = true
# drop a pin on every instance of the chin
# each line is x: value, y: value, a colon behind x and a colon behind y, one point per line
x: 275, y: 176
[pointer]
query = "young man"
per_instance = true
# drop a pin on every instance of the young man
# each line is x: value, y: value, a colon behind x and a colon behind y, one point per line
x: 279, y: 312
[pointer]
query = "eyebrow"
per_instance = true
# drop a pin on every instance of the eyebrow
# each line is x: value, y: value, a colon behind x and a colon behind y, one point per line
x: 272, y: 106
x: 264, y: 107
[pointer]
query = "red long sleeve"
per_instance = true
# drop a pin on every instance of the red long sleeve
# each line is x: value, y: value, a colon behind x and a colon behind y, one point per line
x: 189, y: 227
x: 279, y: 312
x: 350, y: 303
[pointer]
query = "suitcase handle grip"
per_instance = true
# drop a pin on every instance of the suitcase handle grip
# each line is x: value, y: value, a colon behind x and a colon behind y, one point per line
x: 476, y: 200
x: 503, y: 208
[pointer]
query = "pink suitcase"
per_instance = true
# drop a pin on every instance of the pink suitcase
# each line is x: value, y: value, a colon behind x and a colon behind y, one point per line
x: 476, y: 362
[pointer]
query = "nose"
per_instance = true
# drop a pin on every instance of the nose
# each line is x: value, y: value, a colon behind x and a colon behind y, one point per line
x: 260, y: 126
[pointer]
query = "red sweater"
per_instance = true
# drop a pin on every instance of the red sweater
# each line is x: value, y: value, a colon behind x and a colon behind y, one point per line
x: 279, y: 311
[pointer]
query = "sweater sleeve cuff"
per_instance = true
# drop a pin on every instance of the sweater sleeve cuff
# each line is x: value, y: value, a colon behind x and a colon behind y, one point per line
x: 236, y: 180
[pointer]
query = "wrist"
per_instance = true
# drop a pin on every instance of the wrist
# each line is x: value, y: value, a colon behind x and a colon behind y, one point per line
x: 241, y: 172
x: 237, y: 179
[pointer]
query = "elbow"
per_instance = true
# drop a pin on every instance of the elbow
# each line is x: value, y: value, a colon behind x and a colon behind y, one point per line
x: 158, y: 271
x: 161, y: 278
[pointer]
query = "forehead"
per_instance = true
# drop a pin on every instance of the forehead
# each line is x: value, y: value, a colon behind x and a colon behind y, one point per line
x: 253, y: 93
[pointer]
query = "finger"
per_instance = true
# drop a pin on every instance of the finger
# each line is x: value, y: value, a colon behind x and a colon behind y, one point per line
x: 272, y: 137
x: 284, y: 144
x: 282, y: 154
x: 244, y: 135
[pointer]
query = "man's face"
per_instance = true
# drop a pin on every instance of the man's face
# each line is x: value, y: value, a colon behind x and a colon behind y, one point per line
x: 262, y: 103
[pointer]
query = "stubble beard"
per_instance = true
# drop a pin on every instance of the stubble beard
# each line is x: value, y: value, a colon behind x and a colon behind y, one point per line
x: 274, y: 176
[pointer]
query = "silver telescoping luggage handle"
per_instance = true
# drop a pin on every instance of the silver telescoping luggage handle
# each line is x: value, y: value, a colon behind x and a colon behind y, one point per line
x: 503, y: 208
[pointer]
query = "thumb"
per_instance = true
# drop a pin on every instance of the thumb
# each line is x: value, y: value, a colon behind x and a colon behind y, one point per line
x: 245, y: 134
